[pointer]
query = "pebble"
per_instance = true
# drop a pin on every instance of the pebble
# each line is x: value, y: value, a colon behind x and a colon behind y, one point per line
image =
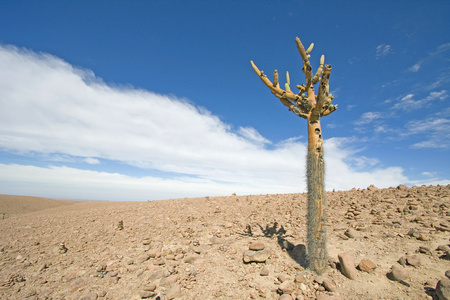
x: 285, y: 297
x: 167, y: 281
x: 352, y: 233
x: 329, y: 285
x: 443, y: 289
x: 425, y: 250
x: 146, y: 294
x: 347, y: 265
x: 256, y: 246
x: 173, y: 292
x: 398, y: 273
x: 264, y: 272
x: 366, y: 265
x: 423, y: 237
x: 256, y: 256
x: 286, y: 287
x: 150, y: 287
x: 413, y: 260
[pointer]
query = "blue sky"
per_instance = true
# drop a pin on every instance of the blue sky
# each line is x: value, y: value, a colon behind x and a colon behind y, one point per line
x: 146, y: 100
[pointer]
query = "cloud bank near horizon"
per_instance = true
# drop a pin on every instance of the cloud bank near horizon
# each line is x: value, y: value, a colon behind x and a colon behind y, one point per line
x: 48, y: 108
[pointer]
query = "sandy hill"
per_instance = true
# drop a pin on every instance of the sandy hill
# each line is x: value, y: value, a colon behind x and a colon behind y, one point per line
x: 393, y: 243
x: 11, y: 204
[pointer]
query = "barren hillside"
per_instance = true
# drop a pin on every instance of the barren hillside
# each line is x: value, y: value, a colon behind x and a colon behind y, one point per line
x: 234, y: 247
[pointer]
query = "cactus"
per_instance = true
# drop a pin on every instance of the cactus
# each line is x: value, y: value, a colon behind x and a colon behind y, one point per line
x: 310, y: 107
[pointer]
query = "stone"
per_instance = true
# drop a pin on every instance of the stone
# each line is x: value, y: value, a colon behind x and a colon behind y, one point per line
x: 423, y: 237
x: 329, y: 285
x: 443, y: 289
x: 256, y: 246
x: 352, y: 233
x: 256, y: 256
x: 283, y: 277
x: 173, y: 292
x: 264, y: 272
x: 167, y: 281
x: 150, y: 287
x: 447, y: 273
x: 413, y: 260
x: 443, y: 248
x: 286, y: 287
x: 347, y: 265
x: 398, y: 273
x: 285, y: 297
x: 146, y: 294
x: 89, y: 296
x: 366, y: 265
x: 425, y: 250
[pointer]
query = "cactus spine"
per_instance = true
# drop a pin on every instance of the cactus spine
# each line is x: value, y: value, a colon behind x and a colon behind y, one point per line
x: 310, y: 107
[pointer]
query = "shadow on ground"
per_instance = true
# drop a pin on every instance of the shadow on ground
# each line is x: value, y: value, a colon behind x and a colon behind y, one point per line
x: 296, y: 252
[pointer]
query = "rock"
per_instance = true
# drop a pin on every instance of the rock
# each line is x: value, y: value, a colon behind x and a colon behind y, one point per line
x: 256, y: 246
x: 299, y: 278
x: 89, y: 296
x: 216, y: 240
x: 447, y: 273
x: 167, y: 281
x: 329, y: 285
x: 283, y: 277
x: 366, y: 265
x: 413, y: 260
x: 285, y: 297
x: 423, y: 237
x: 173, y: 292
x: 286, y: 287
x: 264, y: 272
x: 398, y: 273
x: 352, y: 233
x: 443, y: 248
x: 425, y: 250
x: 256, y: 256
x: 347, y: 265
x: 150, y: 287
x: 443, y: 289
x: 146, y: 294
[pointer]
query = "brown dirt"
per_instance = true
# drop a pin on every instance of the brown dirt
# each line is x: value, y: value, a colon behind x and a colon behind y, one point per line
x: 12, y: 204
x: 193, y: 248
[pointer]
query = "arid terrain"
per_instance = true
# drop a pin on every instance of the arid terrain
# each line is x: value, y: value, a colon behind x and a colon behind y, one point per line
x: 393, y: 243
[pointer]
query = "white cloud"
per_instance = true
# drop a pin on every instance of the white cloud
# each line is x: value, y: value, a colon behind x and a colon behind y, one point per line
x: 369, y: 117
x: 415, y: 67
x: 50, y: 109
x: 383, y: 50
x: 408, y: 102
x: 253, y: 135
x: 92, y: 161
x: 435, y: 132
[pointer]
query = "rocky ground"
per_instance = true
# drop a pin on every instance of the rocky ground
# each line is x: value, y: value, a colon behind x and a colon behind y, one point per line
x: 383, y: 244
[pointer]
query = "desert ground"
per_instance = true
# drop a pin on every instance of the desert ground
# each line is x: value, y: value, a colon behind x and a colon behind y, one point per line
x: 382, y: 244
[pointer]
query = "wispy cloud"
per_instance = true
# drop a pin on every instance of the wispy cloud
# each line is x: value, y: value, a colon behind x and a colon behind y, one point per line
x: 50, y: 108
x: 434, y: 131
x: 369, y: 117
x: 409, y: 103
x: 383, y: 50
x: 415, y: 67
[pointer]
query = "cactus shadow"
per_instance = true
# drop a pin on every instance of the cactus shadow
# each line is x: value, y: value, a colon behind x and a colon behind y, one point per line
x: 296, y: 252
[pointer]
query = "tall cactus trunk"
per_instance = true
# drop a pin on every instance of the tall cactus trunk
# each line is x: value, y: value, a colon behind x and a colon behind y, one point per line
x: 306, y: 104
x: 316, y: 218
